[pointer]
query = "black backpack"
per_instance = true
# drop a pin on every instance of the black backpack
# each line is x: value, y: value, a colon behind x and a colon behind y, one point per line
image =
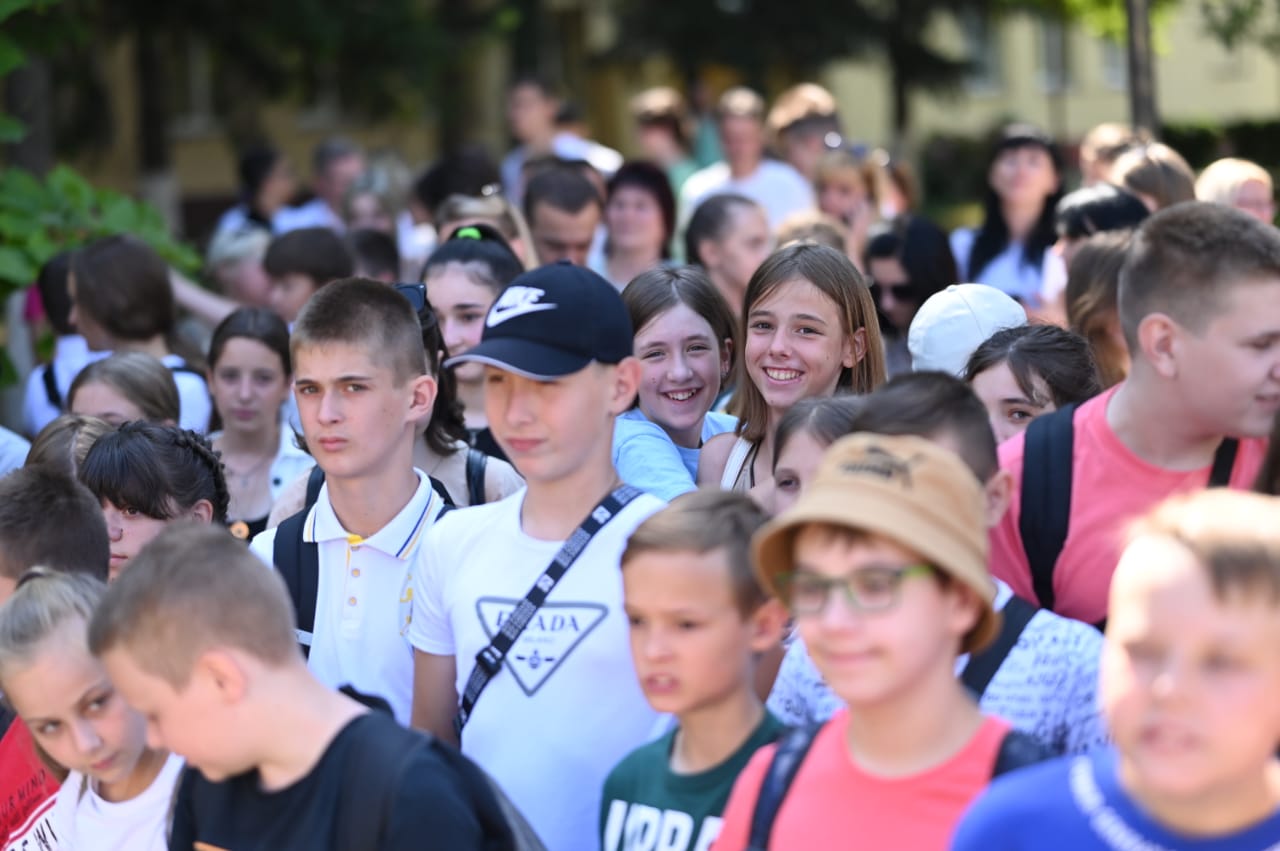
x: 1017, y: 750
x: 367, y: 810
x: 298, y: 560
x: 1046, y: 492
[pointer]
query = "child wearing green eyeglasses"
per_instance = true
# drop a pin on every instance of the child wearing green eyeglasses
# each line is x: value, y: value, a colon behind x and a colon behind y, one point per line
x: 883, y: 563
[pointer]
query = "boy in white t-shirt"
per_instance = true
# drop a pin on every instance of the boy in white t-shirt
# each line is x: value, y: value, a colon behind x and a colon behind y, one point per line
x: 564, y: 706
x: 362, y: 383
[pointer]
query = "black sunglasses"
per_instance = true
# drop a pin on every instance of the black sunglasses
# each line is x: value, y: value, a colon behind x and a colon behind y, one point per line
x: 900, y: 292
x: 416, y: 295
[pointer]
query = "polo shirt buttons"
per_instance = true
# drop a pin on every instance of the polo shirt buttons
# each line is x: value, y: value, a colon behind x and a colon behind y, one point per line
x: 351, y: 601
x: 355, y: 571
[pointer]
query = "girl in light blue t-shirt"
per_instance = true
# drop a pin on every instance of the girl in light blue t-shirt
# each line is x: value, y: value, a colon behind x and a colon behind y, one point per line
x: 685, y: 340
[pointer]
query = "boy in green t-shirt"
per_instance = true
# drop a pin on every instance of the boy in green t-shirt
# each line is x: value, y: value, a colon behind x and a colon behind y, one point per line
x: 698, y: 620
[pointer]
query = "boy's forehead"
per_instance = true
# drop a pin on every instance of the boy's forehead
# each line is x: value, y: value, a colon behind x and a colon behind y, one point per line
x: 847, y: 542
x: 593, y: 370
x: 337, y: 358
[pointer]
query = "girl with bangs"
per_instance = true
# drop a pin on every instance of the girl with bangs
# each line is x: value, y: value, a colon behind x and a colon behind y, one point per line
x: 146, y: 476
x: 810, y: 331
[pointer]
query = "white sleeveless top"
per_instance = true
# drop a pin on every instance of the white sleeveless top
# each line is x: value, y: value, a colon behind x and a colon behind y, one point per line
x: 740, y: 458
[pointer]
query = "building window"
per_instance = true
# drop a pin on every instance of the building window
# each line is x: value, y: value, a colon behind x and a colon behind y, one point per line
x: 1115, y: 64
x: 982, y: 45
x: 1055, y: 55
x: 192, y: 86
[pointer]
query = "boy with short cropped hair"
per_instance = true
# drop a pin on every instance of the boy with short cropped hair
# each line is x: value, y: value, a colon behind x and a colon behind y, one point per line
x: 518, y: 603
x: 199, y: 638
x: 49, y: 519
x: 1190, y: 686
x: 699, y: 619
x: 299, y: 263
x: 361, y: 381
x: 1199, y: 303
x: 893, y: 526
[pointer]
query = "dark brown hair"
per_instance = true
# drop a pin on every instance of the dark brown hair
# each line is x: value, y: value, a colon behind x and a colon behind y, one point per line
x: 48, y: 518
x: 1183, y: 259
x: 1092, y: 284
x: 1059, y: 358
x: 123, y: 285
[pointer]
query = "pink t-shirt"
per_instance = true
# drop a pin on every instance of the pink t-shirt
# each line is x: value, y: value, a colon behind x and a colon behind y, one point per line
x: 1110, y: 487
x: 832, y: 797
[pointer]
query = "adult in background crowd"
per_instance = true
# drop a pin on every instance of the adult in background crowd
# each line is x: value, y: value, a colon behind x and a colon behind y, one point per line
x: 776, y: 186
x: 335, y: 165
x: 1010, y: 250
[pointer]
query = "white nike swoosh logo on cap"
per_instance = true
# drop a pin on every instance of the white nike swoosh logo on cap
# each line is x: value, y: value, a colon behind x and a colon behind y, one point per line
x: 500, y: 314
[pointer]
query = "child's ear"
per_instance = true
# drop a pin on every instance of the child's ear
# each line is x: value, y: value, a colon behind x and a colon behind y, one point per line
x: 999, y: 493
x: 726, y: 360
x: 855, y: 348
x: 222, y: 674
x: 626, y: 383
x: 202, y: 511
x: 1158, y: 342
x: 424, y: 389
x: 768, y: 624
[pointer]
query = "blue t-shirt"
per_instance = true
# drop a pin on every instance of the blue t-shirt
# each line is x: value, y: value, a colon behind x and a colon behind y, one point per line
x: 1077, y: 804
x: 645, y: 455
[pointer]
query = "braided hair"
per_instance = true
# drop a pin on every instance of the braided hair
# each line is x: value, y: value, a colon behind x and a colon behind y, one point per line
x: 159, y: 470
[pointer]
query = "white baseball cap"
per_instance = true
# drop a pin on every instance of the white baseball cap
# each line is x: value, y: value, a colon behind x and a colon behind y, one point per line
x: 954, y: 322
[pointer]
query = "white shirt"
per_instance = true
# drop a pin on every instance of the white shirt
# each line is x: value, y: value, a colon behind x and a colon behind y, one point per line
x: 1007, y: 272
x: 85, y: 821
x: 290, y: 461
x: 193, y: 394
x: 774, y: 185
x: 70, y: 355
x: 566, y: 707
x: 1046, y: 686
x: 364, y: 601
x: 316, y: 213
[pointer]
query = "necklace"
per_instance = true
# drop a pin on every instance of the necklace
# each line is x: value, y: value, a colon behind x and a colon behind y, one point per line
x: 244, y: 478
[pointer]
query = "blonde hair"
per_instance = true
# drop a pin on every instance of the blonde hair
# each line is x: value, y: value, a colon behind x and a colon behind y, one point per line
x: 491, y: 209
x: 1232, y: 534
x: 813, y: 228
x: 1221, y: 180
x: 43, y: 602
x: 65, y: 442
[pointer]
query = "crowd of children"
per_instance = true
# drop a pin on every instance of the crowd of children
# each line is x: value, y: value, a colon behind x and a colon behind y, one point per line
x: 571, y: 546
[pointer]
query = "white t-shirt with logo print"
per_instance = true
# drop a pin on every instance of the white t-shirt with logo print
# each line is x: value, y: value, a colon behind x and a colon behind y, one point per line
x: 566, y: 706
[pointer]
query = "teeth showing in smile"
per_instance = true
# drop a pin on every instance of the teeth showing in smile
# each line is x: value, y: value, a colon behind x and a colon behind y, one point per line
x: 681, y: 395
x: 782, y: 374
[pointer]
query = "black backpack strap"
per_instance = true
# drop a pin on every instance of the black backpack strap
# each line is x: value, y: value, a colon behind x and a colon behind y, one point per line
x: 1014, y: 617
x: 314, y: 482
x: 476, y: 462
x: 51, y: 391
x: 298, y: 561
x: 1224, y: 459
x: 439, y: 488
x: 377, y: 762
x: 1018, y: 750
x: 379, y: 759
x: 792, y: 749
x: 1046, y: 496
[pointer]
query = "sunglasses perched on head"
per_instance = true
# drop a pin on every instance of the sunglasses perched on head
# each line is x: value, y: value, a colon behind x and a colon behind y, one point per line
x: 416, y: 295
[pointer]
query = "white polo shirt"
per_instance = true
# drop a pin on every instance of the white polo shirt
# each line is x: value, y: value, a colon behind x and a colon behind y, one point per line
x: 364, y: 598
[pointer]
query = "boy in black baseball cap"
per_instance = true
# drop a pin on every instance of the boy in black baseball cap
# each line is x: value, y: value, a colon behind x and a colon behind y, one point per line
x: 520, y: 636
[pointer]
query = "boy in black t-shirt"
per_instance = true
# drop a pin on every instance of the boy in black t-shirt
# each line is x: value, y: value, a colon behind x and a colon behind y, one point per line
x: 699, y: 618
x: 198, y: 636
